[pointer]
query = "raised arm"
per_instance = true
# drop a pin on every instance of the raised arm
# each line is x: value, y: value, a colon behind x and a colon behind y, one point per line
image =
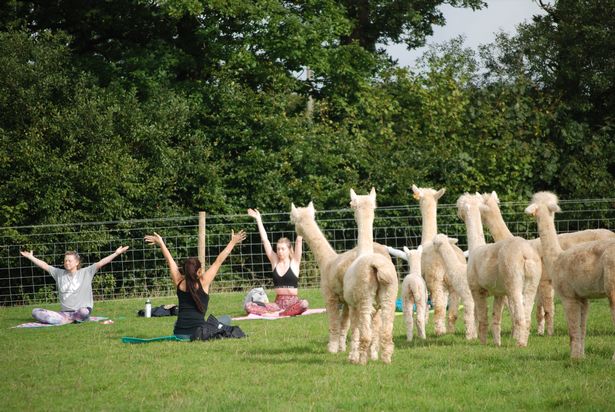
x: 273, y: 258
x: 298, y: 249
x: 156, y: 239
x: 30, y: 256
x: 112, y: 256
x: 212, y: 271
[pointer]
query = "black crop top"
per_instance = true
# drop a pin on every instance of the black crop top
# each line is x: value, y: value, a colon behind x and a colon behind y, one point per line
x: 289, y: 280
x: 189, y: 317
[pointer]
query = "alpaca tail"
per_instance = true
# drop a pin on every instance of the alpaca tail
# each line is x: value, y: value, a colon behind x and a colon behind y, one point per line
x: 385, y: 272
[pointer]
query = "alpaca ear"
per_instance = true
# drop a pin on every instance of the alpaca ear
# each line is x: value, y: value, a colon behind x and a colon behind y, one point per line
x: 372, y: 194
x: 553, y: 207
x: 531, y: 209
x: 292, y: 207
x: 495, y: 197
x: 416, y: 193
x: 406, y: 250
x: 420, y: 249
x: 353, y: 195
x: 453, y: 240
x: 311, y: 208
x: 439, y: 193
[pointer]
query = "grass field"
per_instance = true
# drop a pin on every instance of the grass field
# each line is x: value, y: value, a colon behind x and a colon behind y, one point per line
x: 283, y: 365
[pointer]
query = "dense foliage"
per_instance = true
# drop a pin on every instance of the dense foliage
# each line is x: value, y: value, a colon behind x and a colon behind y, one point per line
x: 130, y: 108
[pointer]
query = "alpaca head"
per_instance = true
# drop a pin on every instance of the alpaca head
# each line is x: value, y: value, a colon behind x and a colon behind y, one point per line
x: 441, y: 238
x: 427, y: 196
x: 414, y: 258
x: 300, y: 215
x: 468, y: 204
x: 363, y: 205
x: 490, y: 207
x: 544, y: 204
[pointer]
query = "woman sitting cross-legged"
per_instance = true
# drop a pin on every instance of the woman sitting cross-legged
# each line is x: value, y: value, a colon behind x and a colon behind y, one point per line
x: 193, y: 284
x: 74, y: 287
x: 285, y: 264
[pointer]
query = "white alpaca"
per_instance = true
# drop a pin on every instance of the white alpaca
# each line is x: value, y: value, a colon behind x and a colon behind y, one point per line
x: 582, y: 272
x: 510, y: 268
x: 332, y: 268
x: 457, y: 275
x: 414, y: 292
x: 545, y: 307
x: 370, y: 283
x: 441, y: 286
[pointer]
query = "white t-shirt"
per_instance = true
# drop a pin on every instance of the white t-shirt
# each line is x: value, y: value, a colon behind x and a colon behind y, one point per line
x: 74, y: 289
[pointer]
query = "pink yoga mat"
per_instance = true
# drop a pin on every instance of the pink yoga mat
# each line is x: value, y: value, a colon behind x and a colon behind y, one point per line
x: 276, y: 315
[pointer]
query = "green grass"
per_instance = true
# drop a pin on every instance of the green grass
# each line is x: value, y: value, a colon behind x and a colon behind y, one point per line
x: 284, y: 365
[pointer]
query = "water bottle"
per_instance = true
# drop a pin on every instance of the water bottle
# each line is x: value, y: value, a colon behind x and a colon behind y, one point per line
x: 148, y: 308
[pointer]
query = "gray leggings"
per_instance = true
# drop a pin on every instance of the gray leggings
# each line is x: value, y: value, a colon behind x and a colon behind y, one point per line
x: 60, y: 318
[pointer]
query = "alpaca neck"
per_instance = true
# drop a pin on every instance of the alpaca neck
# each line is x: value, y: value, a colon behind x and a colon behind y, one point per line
x: 430, y: 225
x: 365, y: 229
x: 415, y: 265
x: 548, y: 238
x: 474, y: 227
x: 448, y: 256
x: 497, y: 226
x: 323, y: 252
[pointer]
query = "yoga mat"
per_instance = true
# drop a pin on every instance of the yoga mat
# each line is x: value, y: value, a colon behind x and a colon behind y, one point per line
x: 276, y: 315
x: 129, y: 339
x: 44, y: 325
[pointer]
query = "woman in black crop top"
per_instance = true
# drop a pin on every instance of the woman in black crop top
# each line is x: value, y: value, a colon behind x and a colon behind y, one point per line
x: 193, y: 285
x: 285, y: 262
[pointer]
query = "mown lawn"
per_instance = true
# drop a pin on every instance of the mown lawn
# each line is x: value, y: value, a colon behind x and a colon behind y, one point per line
x: 283, y: 365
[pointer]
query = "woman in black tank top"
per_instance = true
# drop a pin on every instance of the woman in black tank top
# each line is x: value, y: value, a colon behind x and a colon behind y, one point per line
x: 285, y: 262
x: 193, y: 285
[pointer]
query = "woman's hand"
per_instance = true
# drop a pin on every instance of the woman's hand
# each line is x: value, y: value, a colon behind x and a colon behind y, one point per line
x: 154, y: 239
x: 238, y: 237
x: 121, y: 249
x: 27, y: 254
x: 254, y: 213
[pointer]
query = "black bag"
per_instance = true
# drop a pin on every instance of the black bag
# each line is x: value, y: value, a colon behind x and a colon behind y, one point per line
x: 162, y: 310
x: 214, y: 329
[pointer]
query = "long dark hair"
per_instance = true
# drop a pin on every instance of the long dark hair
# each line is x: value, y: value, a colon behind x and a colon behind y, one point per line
x: 193, y: 283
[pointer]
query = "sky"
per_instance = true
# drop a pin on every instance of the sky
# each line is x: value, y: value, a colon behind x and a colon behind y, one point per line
x: 478, y: 27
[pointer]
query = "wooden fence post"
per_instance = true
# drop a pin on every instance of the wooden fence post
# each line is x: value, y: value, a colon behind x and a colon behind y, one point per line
x: 201, y: 244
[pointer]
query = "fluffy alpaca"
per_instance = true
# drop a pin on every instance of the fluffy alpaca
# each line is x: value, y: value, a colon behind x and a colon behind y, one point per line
x: 545, y: 307
x: 332, y: 267
x: 438, y: 282
x: 457, y: 275
x: 582, y: 272
x: 370, y: 283
x: 414, y: 292
x: 510, y: 268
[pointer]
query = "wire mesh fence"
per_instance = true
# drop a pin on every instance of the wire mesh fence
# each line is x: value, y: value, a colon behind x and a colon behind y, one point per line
x: 142, y: 270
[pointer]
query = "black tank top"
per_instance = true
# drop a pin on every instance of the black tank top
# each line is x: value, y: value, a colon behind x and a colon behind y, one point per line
x: 289, y: 280
x: 188, y: 316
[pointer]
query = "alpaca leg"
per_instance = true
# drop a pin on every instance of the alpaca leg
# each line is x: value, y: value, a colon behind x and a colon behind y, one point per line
x: 387, y: 308
x: 453, y: 311
x: 496, y: 325
x: 333, y: 312
x: 376, y: 329
x: 584, y: 313
x: 439, y: 303
x: 364, y: 318
x: 540, y: 312
x: 573, y: 317
x: 407, y: 305
x: 515, y: 300
x: 611, y: 296
x: 468, y: 312
x: 353, y: 355
x: 421, y: 316
x: 529, y: 295
x: 480, y: 307
x: 344, y: 325
x: 548, y: 303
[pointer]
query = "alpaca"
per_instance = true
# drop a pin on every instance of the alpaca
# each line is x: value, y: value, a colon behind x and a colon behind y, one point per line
x: 332, y: 267
x: 507, y: 269
x: 434, y: 272
x: 414, y: 292
x: 580, y: 273
x: 545, y: 307
x: 370, y: 283
x: 457, y: 273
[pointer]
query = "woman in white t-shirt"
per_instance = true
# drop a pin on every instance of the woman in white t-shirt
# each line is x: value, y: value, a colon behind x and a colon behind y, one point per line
x: 74, y: 287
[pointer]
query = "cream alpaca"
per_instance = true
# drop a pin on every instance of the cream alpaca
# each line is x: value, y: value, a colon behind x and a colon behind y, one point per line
x: 439, y: 283
x: 545, y: 307
x: 332, y: 268
x: 457, y: 275
x: 510, y: 268
x: 414, y: 292
x: 580, y: 273
x: 370, y: 284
